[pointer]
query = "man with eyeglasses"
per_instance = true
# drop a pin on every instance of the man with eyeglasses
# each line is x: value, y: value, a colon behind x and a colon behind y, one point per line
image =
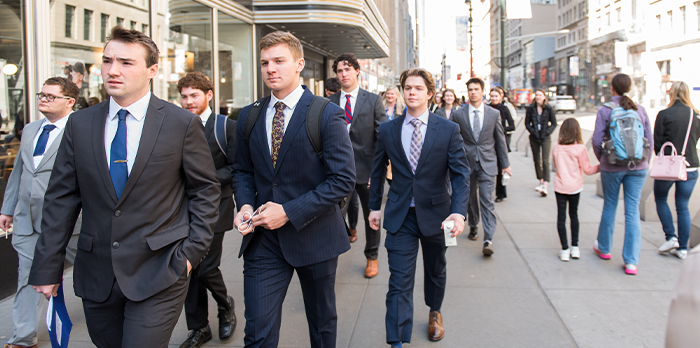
x: 24, y: 197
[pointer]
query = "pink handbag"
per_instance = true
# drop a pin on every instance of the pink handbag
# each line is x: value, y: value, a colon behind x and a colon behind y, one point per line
x: 673, y: 167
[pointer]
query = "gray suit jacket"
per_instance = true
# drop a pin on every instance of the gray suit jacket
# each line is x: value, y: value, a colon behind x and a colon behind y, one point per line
x: 24, y: 195
x: 368, y: 114
x: 491, y: 148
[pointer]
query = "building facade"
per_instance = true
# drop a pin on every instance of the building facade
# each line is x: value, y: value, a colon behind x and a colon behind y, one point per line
x: 571, y: 59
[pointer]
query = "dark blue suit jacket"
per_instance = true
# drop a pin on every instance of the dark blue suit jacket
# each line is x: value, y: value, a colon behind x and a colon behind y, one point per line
x: 308, y: 189
x: 442, y: 154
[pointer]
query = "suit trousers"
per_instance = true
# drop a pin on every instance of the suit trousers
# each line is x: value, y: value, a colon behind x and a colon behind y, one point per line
x: 402, y: 249
x: 266, y: 278
x: 372, y: 237
x: 481, y: 198
x: 353, y: 210
x: 24, y: 308
x: 207, y: 276
x: 120, y: 322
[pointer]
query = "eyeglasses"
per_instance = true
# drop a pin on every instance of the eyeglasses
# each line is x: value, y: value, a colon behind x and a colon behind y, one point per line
x: 248, y: 220
x: 49, y: 98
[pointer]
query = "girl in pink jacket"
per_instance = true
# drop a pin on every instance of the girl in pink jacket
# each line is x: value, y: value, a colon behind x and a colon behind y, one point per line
x: 570, y: 158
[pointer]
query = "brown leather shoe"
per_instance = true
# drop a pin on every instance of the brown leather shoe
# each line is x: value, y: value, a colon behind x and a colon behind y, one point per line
x: 353, y: 235
x: 372, y: 268
x: 7, y: 345
x: 435, y: 330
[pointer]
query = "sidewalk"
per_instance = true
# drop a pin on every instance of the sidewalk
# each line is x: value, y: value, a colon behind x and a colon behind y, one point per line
x: 523, y: 296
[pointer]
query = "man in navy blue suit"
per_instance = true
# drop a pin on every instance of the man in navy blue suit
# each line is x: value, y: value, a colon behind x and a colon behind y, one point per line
x: 427, y: 160
x: 297, y: 225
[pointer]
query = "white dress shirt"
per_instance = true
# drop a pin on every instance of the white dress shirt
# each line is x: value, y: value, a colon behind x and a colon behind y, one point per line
x: 353, y: 100
x: 407, y: 136
x: 60, y: 124
x: 205, y: 115
x: 481, y: 116
x: 290, y: 102
x: 134, y: 127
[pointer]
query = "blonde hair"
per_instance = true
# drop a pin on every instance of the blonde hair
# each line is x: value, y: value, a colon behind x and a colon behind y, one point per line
x: 680, y: 91
x: 282, y: 37
x: 400, y: 104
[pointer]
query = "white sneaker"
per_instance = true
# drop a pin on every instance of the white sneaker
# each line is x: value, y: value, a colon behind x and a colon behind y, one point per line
x: 564, y: 255
x: 543, y: 192
x: 539, y: 187
x: 669, y: 245
x: 575, y: 252
x: 681, y: 254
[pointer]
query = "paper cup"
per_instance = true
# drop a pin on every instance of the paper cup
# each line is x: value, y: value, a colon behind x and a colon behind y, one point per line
x: 448, y: 226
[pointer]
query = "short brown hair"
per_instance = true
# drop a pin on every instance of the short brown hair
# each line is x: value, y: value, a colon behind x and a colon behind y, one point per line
x: 349, y: 59
x: 282, y: 37
x: 124, y: 35
x: 196, y: 80
x: 570, y: 132
x: 420, y: 72
x: 476, y: 80
x: 68, y: 88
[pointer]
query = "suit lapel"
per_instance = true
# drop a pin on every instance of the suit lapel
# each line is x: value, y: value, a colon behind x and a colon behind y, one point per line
x: 260, y: 130
x: 298, y: 119
x: 28, y: 150
x: 209, y: 125
x: 470, y: 129
x: 98, y: 147
x: 430, y: 135
x: 398, y: 125
x: 483, y: 121
x: 149, y: 135
x: 359, y: 104
x: 51, y: 151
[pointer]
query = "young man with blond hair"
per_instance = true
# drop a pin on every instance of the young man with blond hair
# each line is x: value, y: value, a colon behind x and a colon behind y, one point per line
x: 424, y: 150
x: 288, y: 197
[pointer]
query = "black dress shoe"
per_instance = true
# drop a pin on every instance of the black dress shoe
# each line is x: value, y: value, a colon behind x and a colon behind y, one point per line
x: 196, y: 338
x: 227, y: 321
x: 473, y: 234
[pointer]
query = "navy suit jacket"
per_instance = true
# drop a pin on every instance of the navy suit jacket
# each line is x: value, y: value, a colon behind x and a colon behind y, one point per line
x: 442, y: 154
x: 308, y: 189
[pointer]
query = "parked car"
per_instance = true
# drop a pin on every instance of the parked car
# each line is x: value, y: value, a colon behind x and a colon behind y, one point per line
x: 563, y: 103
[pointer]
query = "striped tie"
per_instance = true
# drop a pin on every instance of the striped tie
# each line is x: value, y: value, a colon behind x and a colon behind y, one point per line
x: 416, y: 143
x: 348, y: 109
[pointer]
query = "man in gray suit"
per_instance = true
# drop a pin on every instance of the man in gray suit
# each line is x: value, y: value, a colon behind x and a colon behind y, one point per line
x: 364, y: 112
x: 24, y: 197
x: 485, y: 144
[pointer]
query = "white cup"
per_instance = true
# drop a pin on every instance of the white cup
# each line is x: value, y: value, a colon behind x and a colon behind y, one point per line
x: 506, y: 178
x: 448, y: 226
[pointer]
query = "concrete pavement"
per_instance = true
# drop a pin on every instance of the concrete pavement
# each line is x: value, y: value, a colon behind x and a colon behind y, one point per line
x: 523, y: 296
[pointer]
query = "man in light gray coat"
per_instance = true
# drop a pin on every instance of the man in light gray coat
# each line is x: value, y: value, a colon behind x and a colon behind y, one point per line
x: 485, y: 143
x: 24, y: 197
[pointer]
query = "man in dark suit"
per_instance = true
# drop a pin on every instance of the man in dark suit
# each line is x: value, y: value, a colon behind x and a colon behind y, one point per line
x: 297, y: 225
x: 141, y: 170
x: 428, y: 161
x: 364, y: 112
x: 486, y: 148
x: 196, y: 91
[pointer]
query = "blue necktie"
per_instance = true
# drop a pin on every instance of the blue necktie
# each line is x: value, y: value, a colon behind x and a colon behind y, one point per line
x: 118, y: 169
x: 43, y: 139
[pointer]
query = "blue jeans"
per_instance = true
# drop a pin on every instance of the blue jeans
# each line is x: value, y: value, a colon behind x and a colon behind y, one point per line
x: 683, y: 191
x: 632, y: 182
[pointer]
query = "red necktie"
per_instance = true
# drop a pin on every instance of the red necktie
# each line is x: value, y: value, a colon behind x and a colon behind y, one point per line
x: 348, y: 110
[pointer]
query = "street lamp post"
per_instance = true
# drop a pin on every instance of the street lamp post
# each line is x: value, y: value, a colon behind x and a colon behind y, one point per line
x: 471, y: 44
x: 503, y: 43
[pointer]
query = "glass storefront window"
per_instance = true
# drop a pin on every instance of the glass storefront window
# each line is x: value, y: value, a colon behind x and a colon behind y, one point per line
x: 235, y: 64
x: 185, y: 43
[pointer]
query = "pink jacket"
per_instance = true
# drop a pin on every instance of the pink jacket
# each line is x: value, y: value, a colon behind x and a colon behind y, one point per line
x: 569, y: 161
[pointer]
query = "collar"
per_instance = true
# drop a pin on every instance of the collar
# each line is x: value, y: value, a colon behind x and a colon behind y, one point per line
x: 423, y: 117
x: 138, y: 109
x: 205, y: 115
x: 60, y: 124
x: 480, y: 108
x: 353, y: 93
x: 290, y: 101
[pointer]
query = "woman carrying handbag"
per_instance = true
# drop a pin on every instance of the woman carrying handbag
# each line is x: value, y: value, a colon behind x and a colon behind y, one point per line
x: 678, y: 125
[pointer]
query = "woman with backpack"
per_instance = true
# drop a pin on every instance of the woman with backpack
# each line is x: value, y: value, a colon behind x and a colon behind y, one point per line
x: 617, y: 169
x: 541, y: 121
x: 678, y: 124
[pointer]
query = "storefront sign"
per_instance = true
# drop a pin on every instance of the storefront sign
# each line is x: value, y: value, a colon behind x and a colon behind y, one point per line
x: 604, y: 68
x: 573, y: 66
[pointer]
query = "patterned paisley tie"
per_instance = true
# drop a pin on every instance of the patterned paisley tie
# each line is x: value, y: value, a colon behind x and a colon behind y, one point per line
x: 277, y: 131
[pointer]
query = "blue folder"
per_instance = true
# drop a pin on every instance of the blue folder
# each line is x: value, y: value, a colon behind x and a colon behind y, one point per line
x: 57, y: 320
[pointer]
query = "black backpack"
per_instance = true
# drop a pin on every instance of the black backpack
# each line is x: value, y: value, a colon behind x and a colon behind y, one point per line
x: 313, y: 129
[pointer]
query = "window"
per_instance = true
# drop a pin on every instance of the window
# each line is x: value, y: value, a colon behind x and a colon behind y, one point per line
x: 133, y: 25
x: 574, y: 12
x: 670, y: 21
x: 634, y: 9
x: 619, y: 15
x: 658, y: 22
x: 144, y: 29
x: 120, y: 21
x: 683, y: 19
x: 104, y: 25
x: 559, y: 21
x: 600, y: 24
x: 608, y: 15
x: 70, y: 13
x: 87, y: 25
x: 697, y: 12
